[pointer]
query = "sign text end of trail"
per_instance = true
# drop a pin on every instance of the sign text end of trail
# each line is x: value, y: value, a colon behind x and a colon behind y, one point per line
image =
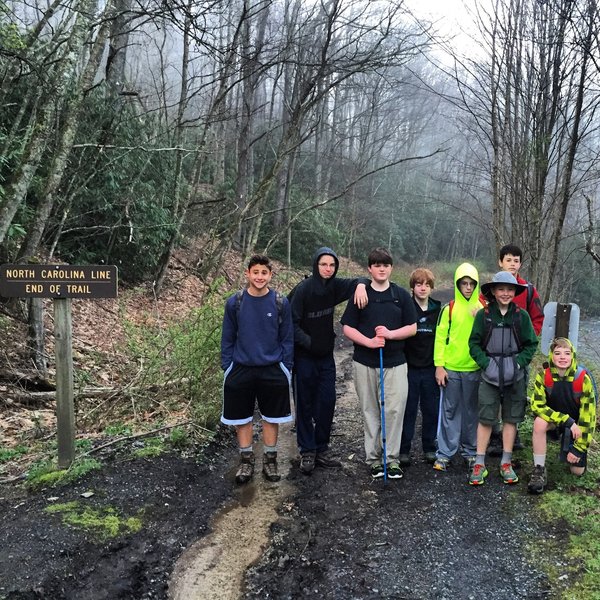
x: 61, y: 283
x: 58, y: 281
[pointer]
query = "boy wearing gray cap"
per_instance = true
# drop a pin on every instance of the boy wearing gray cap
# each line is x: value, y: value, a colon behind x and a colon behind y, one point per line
x: 502, y: 343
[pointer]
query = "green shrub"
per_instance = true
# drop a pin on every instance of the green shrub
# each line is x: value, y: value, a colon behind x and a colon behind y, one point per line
x: 184, y: 359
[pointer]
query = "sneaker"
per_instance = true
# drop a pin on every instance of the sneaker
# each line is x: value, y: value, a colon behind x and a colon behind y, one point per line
x: 270, y: 466
x: 538, y: 480
x: 508, y: 473
x: 404, y: 460
x: 495, y: 445
x: 429, y: 457
x: 246, y: 468
x: 440, y: 464
x: 478, y: 475
x: 307, y: 462
x: 326, y: 460
x: 394, y: 471
x: 376, y: 470
x: 470, y: 461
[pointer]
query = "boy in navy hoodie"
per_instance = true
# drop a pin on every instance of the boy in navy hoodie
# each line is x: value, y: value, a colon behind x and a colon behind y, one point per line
x: 313, y: 304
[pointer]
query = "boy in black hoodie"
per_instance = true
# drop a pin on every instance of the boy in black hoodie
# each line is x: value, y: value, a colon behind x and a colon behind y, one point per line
x: 423, y: 389
x: 313, y: 303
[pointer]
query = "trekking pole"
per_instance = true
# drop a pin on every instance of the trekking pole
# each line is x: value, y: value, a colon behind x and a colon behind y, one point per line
x: 383, y: 441
x: 439, y: 424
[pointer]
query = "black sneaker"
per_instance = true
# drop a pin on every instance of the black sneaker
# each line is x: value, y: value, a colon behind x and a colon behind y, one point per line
x: 538, y: 480
x: 376, y: 470
x: 405, y: 459
x: 394, y: 471
x: 430, y: 457
x: 326, y: 460
x: 270, y: 466
x: 307, y: 462
x: 246, y: 468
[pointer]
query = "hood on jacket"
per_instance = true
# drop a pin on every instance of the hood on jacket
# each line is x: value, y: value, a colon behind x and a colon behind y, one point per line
x: 320, y: 252
x: 466, y: 270
x: 573, y: 366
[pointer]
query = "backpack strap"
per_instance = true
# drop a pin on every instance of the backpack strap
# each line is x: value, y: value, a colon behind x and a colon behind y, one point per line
x: 578, y: 380
x: 548, y: 381
x: 529, y: 294
x: 450, y: 308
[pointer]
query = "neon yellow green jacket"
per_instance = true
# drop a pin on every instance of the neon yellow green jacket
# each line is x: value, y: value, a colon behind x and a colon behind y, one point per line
x: 451, y: 349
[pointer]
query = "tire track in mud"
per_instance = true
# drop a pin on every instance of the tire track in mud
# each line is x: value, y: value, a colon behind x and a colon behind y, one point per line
x: 214, y: 566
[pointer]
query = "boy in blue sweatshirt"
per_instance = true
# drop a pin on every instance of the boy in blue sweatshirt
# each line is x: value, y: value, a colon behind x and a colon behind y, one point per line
x: 257, y: 349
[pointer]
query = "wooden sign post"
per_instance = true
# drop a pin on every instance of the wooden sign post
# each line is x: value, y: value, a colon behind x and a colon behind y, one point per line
x: 62, y: 283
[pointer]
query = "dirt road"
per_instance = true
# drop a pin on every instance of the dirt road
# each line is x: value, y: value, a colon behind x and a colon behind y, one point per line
x: 334, y: 535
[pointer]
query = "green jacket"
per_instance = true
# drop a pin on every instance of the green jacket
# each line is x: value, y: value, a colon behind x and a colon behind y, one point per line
x: 500, y: 351
x: 451, y: 348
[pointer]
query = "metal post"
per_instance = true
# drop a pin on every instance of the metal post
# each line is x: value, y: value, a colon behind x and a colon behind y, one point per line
x: 563, y: 319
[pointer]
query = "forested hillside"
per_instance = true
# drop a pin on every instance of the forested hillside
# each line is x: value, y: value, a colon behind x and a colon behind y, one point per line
x: 277, y: 124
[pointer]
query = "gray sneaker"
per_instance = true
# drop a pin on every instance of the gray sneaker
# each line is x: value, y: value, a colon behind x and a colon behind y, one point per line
x: 270, y: 466
x: 246, y: 468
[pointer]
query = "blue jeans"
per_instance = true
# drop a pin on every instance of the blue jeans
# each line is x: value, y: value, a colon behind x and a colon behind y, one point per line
x: 423, y: 390
x: 314, y: 394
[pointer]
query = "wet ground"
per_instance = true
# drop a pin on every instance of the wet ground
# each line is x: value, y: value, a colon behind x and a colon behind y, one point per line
x: 333, y: 535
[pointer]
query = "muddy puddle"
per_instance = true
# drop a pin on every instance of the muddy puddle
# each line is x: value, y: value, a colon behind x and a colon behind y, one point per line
x: 214, y: 566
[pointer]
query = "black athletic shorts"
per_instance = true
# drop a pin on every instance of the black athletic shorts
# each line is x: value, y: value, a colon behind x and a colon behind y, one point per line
x: 268, y: 386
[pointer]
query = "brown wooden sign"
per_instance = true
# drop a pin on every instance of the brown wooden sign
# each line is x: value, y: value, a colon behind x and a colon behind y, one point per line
x: 58, y: 281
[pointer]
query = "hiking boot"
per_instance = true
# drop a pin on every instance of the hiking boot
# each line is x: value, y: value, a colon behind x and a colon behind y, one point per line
x: 440, y: 464
x: 429, y: 457
x: 376, y: 470
x: 518, y: 445
x: 508, y: 473
x: 538, y: 480
x: 478, y: 475
x: 495, y: 445
x: 307, y: 462
x: 270, y: 466
x: 394, y: 471
x: 405, y: 460
x: 246, y: 468
x: 326, y: 460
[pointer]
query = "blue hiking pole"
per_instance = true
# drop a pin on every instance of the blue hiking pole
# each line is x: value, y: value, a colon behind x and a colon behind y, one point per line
x: 383, y: 442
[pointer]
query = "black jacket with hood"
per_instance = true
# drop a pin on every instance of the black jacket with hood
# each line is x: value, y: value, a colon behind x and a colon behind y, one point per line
x: 313, y: 303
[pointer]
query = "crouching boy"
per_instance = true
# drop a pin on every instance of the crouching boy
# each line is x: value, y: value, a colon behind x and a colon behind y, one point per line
x: 563, y: 398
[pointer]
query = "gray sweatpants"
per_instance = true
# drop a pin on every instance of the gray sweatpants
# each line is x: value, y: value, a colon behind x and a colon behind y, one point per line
x: 457, y: 427
x: 367, y: 384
